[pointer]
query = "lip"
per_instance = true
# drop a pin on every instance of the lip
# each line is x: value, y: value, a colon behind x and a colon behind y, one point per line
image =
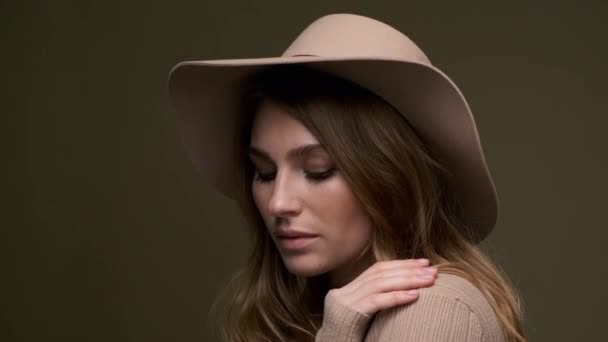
x: 295, y: 243
x: 293, y: 234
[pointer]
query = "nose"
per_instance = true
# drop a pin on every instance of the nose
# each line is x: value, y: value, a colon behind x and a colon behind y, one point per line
x: 284, y: 200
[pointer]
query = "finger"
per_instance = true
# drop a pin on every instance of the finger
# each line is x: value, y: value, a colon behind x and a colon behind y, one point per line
x: 388, y: 264
x: 377, y: 277
x: 400, y: 281
x: 401, y: 271
x: 396, y: 283
x: 383, y: 266
x: 382, y: 301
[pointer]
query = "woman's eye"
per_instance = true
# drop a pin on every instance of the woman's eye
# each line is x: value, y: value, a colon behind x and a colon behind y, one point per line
x: 312, y: 176
x: 319, y: 176
x: 263, y: 177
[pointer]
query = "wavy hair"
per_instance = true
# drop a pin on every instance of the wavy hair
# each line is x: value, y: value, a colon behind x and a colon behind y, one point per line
x: 386, y: 165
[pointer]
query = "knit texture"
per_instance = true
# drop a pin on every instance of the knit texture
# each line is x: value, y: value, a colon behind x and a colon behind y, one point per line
x: 453, y: 309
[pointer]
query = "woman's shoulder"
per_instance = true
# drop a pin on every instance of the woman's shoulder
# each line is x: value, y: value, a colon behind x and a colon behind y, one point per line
x: 452, y: 309
x: 458, y: 288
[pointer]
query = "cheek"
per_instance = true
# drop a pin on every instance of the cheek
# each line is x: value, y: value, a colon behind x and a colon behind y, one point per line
x: 353, y: 232
x: 260, y: 200
x: 255, y: 194
x: 349, y: 227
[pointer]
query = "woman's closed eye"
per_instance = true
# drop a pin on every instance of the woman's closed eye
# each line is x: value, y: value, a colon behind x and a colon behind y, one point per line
x: 314, y: 177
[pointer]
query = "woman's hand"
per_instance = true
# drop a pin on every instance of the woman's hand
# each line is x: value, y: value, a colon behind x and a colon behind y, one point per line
x: 386, y: 284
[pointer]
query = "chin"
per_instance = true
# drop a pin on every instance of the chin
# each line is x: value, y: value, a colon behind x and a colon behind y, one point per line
x: 300, y: 266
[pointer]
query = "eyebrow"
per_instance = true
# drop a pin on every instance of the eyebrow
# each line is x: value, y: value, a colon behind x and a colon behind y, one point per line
x: 293, y: 153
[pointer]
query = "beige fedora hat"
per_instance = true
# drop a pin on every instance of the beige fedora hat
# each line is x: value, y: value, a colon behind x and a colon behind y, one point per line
x: 204, y: 95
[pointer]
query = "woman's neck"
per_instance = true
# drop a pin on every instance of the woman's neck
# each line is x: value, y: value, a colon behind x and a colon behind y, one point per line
x: 346, y: 273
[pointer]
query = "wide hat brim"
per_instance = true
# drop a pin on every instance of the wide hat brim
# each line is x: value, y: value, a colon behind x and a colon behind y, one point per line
x: 206, y: 96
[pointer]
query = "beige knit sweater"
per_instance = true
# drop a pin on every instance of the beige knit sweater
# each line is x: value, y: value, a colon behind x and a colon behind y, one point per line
x: 452, y: 310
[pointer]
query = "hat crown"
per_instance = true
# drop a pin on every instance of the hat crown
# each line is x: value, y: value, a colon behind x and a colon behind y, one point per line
x: 352, y: 35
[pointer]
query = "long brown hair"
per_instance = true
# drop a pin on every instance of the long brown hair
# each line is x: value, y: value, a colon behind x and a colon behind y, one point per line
x: 397, y: 181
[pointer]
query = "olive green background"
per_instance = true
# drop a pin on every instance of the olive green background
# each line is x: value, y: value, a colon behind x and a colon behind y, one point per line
x: 109, y: 234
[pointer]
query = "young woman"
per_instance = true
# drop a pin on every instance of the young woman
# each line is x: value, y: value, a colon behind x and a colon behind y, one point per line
x: 359, y: 170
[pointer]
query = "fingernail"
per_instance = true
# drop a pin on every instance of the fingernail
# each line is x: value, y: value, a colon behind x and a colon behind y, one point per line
x: 422, y: 261
x: 431, y: 269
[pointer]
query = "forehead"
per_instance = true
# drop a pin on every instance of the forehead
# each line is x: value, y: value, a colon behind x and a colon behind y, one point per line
x: 275, y: 129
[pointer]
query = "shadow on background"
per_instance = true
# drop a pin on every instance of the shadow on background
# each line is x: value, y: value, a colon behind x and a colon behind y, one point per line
x: 111, y: 235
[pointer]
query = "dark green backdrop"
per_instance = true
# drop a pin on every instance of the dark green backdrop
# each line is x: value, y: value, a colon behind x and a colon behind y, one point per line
x: 109, y: 234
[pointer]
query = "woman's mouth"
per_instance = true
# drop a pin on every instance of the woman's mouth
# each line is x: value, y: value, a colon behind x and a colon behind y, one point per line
x: 295, y: 243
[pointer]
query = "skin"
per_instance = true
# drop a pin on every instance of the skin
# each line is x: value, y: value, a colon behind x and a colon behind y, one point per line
x: 305, y: 192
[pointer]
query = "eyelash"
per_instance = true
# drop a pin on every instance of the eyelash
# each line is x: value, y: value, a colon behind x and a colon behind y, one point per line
x: 315, y: 177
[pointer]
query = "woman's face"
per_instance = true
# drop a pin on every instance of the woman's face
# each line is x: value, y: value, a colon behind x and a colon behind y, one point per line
x: 302, y: 192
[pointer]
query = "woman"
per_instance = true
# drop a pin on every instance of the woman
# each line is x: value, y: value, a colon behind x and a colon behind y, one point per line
x: 358, y: 166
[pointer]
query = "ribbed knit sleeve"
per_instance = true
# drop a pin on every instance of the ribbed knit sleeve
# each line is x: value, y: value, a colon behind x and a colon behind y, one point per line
x: 341, y: 323
x: 453, y: 310
x: 433, y: 318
